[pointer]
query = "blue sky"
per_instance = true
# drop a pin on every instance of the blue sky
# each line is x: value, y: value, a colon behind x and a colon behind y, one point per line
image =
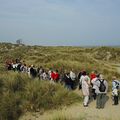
x: 60, y: 22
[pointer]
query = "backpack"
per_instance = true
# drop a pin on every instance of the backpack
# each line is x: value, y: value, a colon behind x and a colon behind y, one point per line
x: 102, y: 86
x: 116, y: 84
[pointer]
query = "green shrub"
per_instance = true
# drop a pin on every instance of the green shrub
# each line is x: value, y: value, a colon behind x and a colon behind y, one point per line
x: 45, y: 95
x: 35, y: 95
x: 10, y: 107
x: 15, y: 82
x: 1, y: 85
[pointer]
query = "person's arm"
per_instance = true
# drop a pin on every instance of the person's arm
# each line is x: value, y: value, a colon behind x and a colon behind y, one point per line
x: 80, y: 80
x: 119, y: 84
x: 88, y: 80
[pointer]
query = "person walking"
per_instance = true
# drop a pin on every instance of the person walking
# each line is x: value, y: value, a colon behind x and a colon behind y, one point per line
x: 115, y: 90
x: 73, y: 79
x: 101, y: 91
x: 67, y: 81
x: 94, y: 86
x: 92, y: 75
x: 33, y: 71
x: 56, y: 76
x: 85, y: 81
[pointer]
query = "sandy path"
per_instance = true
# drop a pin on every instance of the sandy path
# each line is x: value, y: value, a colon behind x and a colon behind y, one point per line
x: 110, y: 112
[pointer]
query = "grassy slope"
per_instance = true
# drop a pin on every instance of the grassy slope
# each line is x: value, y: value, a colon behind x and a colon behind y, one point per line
x: 97, y: 58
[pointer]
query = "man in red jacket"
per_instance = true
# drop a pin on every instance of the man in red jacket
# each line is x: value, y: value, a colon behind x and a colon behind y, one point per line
x: 56, y: 78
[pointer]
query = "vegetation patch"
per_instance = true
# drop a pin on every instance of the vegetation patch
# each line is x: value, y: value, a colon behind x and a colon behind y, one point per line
x: 20, y: 94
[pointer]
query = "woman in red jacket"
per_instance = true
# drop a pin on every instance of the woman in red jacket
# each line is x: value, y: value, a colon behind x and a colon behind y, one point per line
x: 52, y: 75
x: 92, y: 75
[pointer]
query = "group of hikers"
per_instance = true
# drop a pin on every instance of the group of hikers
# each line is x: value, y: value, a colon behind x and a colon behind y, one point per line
x: 93, y: 85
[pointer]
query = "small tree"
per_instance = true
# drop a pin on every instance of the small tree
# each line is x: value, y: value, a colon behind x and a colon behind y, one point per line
x: 19, y: 41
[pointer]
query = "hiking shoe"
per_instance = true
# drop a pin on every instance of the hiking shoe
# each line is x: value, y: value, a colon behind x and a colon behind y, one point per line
x: 85, y: 105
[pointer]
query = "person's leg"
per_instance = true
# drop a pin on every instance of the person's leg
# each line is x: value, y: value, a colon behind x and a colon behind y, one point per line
x: 68, y: 86
x: 115, y: 100
x: 103, y: 100
x: 98, y: 101
x: 86, y: 99
x: 72, y: 85
x: 94, y: 94
x: 14, y: 69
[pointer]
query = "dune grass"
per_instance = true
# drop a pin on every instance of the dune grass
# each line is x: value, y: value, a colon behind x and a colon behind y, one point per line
x: 20, y: 94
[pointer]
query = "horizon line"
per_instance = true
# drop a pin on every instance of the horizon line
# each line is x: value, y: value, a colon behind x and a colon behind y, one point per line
x: 60, y: 45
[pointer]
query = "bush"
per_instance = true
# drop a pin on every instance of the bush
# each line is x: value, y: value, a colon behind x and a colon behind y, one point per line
x: 10, y: 107
x: 1, y: 85
x: 44, y: 95
x: 36, y: 95
x: 15, y: 82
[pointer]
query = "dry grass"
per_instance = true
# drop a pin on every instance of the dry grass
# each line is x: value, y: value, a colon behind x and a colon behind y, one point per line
x: 19, y: 94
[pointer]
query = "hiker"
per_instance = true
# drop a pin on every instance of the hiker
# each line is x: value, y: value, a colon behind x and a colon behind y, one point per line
x: 28, y: 71
x: 92, y: 75
x: 56, y: 76
x: 101, y: 91
x: 115, y: 90
x: 17, y: 60
x: 73, y: 78
x: 25, y: 68
x: 40, y: 71
x: 19, y: 66
x: 22, y: 67
x: 67, y: 80
x: 33, y: 71
x: 85, y: 81
x: 45, y: 75
x: 49, y: 74
x: 94, y: 87
x: 14, y: 66
x: 9, y: 66
x: 79, y: 76
x: 52, y: 75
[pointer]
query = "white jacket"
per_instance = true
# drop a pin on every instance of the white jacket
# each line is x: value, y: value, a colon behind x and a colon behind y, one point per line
x: 97, y: 83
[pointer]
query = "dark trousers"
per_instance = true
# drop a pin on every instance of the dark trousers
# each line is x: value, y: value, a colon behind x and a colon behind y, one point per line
x: 93, y: 94
x: 116, y: 99
x: 100, y: 102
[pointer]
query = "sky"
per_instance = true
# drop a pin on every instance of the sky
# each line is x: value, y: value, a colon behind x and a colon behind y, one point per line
x: 60, y: 22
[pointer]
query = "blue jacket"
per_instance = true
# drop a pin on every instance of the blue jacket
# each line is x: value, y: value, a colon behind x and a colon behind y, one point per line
x: 114, y: 84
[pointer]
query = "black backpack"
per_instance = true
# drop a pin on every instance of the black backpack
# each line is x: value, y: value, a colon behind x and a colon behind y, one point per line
x: 102, y: 87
